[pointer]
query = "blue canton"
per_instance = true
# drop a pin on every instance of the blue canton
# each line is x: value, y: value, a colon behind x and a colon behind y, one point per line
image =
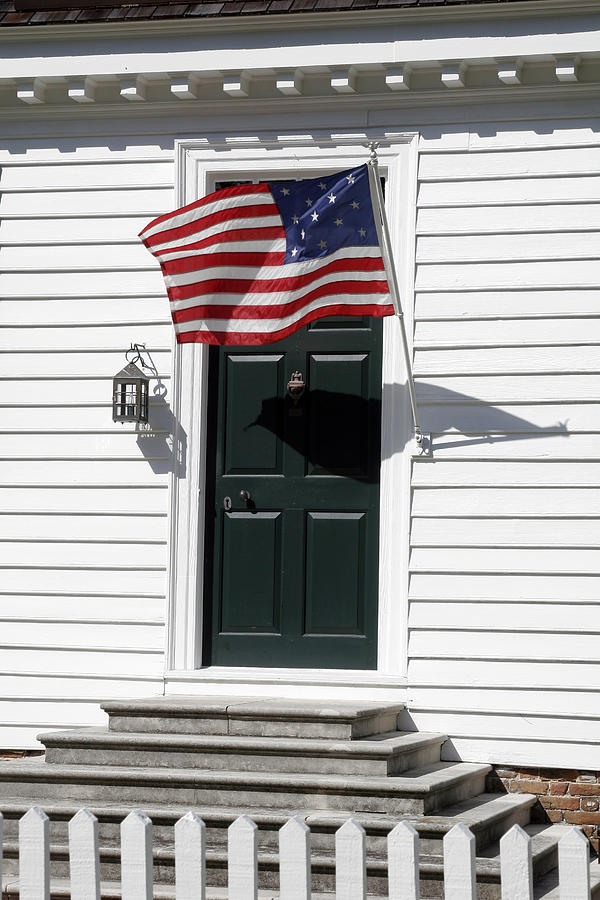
x: 322, y: 215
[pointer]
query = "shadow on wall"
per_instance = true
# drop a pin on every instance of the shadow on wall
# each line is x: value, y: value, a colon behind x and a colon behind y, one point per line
x: 163, y: 442
x: 442, y: 412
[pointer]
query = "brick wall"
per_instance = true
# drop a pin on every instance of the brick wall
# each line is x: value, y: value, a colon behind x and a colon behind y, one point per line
x: 564, y: 795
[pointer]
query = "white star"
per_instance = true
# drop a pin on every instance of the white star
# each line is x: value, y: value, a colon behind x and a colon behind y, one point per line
x: 314, y: 216
x: 350, y: 179
x: 362, y: 232
x: 302, y: 234
x: 331, y: 197
x: 295, y: 220
x: 308, y: 202
x: 322, y: 244
x: 285, y: 191
x: 322, y: 185
x: 339, y: 221
x: 294, y: 251
x: 355, y: 204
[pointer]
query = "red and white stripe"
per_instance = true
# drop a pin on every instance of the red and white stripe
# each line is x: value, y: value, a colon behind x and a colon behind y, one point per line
x: 222, y: 259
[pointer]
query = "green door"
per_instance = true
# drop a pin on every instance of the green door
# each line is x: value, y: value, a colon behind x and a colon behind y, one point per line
x: 293, y: 520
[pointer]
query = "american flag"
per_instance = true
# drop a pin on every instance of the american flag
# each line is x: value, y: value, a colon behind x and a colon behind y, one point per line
x: 251, y: 264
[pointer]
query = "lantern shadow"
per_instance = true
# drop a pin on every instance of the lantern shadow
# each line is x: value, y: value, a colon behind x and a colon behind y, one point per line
x: 163, y: 442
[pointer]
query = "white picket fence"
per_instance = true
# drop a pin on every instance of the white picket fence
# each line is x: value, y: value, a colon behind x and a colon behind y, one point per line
x: 294, y: 860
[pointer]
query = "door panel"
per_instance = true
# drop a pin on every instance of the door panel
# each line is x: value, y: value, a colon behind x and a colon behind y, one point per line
x: 251, y: 573
x: 292, y: 572
x: 335, y: 589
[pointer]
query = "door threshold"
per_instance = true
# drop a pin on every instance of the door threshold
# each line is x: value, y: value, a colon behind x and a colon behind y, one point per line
x: 334, y: 684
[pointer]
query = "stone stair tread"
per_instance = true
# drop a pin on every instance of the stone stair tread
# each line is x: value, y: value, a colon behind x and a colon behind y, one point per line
x: 250, y: 707
x: 478, y: 812
x: 414, y: 783
x: 547, y: 888
x: 111, y: 890
x: 378, y: 746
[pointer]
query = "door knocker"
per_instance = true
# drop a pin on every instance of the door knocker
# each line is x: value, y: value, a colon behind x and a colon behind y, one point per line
x: 296, y: 386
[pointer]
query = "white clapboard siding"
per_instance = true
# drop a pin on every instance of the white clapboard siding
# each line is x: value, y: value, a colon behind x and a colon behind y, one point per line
x: 517, y: 303
x: 517, y: 164
x: 87, y: 525
x: 89, y: 337
x: 62, y: 607
x: 450, y: 414
x: 505, y: 532
x: 66, y: 499
x: 513, y: 533
x: 83, y: 311
x: 508, y: 220
x: 145, y: 278
x: 76, y: 229
x: 502, y: 191
x: 505, y: 586
x: 74, y: 363
x: 515, y: 332
x: 503, y: 559
x: 476, y: 248
x: 83, y: 501
x: 61, y: 257
x: 145, y: 201
x: 491, y: 615
x: 49, y: 553
x: 566, y: 704
x: 53, y: 177
x: 528, y: 386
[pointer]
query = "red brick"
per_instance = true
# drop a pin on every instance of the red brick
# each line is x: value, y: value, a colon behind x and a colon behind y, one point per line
x: 506, y: 773
x: 533, y: 787
x: 584, y: 790
x: 560, y: 802
x: 559, y: 788
x: 588, y: 804
x: 582, y: 818
x: 554, y: 815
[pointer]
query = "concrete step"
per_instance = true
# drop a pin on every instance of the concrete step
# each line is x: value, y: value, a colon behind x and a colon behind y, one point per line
x: 547, y: 888
x: 253, y: 716
x: 385, y: 754
x: 419, y: 791
x: 544, y: 855
x: 488, y: 816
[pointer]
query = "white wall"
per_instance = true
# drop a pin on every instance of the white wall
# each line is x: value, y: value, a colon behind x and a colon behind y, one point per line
x: 504, y: 616
x: 83, y: 502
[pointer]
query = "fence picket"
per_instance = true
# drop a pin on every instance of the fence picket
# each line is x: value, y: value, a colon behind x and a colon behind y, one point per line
x: 34, y: 855
x: 403, y: 863
x: 516, y: 869
x: 350, y: 862
x: 84, y: 856
x: 459, y: 864
x: 137, y: 876
x: 574, y: 866
x: 294, y: 860
x: 190, y: 858
x: 242, y: 863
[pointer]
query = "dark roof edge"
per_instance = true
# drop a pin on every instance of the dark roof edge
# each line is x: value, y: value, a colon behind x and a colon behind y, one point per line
x: 352, y: 9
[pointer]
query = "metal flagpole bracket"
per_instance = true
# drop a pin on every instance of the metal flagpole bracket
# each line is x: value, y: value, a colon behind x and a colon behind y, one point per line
x: 422, y: 448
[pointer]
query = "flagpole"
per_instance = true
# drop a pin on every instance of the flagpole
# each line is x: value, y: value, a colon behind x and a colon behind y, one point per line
x: 386, y: 250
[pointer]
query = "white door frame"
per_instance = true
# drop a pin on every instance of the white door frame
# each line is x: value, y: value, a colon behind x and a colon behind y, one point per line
x: 198, y: 166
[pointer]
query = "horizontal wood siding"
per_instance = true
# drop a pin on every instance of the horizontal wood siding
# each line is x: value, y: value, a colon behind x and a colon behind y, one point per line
x: 505, y: 540
x: 83, y: 502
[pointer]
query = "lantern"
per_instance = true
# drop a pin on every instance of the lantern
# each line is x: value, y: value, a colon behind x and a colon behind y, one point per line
x: 130, y: 393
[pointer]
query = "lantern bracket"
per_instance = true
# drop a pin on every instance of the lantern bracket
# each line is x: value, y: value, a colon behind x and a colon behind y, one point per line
x: 137, y: 349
